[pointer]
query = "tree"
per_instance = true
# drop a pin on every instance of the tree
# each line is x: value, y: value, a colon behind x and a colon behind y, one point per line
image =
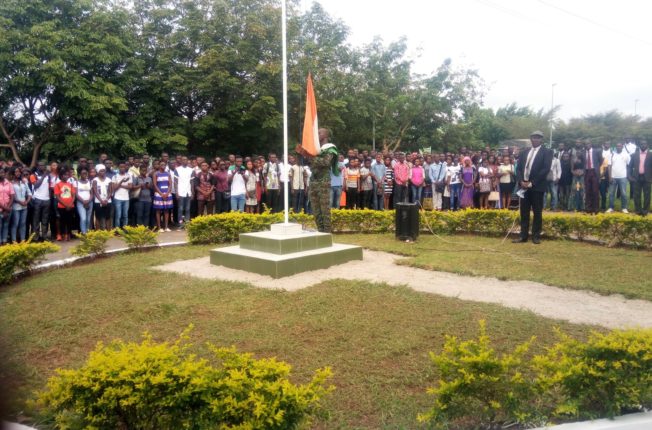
x: 62, y: 65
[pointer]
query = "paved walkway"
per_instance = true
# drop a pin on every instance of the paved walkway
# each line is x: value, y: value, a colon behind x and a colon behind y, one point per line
x: 113, y: 244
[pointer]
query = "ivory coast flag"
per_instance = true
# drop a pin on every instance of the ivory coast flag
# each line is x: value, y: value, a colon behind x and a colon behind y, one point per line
x: 310, y: 141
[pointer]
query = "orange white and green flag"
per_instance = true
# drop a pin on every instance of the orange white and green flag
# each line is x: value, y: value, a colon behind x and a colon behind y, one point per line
x: 310, y: 141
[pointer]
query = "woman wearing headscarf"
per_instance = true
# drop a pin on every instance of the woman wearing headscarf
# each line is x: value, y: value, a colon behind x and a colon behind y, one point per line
x: 468, y: 176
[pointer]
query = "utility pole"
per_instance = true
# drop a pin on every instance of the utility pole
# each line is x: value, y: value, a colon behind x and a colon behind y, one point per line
x: 552, y: 112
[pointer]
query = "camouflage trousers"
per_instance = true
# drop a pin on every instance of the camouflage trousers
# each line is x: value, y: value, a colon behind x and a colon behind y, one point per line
x: 320, y: 203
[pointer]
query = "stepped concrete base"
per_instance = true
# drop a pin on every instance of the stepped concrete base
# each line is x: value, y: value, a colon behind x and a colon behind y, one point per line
x: 283, y: 251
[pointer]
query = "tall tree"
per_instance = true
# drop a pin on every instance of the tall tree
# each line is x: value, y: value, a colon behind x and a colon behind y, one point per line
x: 61, y: 76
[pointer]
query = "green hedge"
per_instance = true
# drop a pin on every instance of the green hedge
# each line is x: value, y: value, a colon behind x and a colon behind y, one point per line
x: 611, y: 229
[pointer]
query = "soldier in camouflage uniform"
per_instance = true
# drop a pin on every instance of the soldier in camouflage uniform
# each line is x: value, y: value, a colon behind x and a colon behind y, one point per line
x: 320, y: 181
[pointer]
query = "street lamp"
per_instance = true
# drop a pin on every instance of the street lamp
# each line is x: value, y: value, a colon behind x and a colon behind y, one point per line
x: 552, y: 112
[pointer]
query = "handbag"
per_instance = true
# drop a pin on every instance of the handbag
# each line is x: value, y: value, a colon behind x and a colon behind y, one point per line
x: 494, y: 196
x: 427, y: 203
x: 485, y: 186
x: 447, y: 192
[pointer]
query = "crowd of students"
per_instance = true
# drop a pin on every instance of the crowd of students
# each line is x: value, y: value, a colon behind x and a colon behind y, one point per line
x: 51, y: 201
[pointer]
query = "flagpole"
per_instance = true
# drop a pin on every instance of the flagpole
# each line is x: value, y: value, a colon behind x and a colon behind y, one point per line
x: 285, y: 110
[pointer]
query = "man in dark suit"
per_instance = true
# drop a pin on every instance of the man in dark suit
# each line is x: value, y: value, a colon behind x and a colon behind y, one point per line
x: 639, y: 173
x: 592, y: 162
x: 533, y: 167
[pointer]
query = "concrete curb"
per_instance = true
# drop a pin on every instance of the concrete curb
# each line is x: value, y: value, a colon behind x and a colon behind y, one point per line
x: 66, y: 261
x: 637, y: 421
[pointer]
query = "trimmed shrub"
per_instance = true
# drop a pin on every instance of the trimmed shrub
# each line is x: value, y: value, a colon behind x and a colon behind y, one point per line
x: 163, y: 386
x: 612, y: 229
x: 478, y: 386
x: 22, y: 256
x: 92, y: 243
x: 608, y: 375
x: 138, y: 237
x: 227, y: 227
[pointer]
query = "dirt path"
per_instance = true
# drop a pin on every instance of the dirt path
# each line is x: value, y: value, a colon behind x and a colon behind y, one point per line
x: 571, y: 305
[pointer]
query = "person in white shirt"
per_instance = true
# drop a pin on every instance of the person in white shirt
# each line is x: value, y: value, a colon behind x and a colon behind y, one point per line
x: 122, y: 183
x: 183, y: 177
x: 40, y: 182
x: 618, y: 177
x: 553, y: 184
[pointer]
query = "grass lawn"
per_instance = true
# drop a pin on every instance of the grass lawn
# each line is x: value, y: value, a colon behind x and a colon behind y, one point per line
x: 554, y: 262
x: 375, y: 337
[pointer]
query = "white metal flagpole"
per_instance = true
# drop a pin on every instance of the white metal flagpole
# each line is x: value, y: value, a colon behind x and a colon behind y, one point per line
x: 285, y: 110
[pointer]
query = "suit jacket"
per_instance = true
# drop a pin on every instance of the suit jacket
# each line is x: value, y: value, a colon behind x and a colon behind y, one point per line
x: 596, y: 159
x: 539, y: 169
x: 632, y: 168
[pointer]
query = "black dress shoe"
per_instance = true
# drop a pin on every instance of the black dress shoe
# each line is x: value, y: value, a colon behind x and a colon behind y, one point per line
x: 521, y: 240
x: 536, y: 240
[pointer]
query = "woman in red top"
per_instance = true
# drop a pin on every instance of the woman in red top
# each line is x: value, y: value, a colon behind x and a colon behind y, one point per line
x: 65, y: 194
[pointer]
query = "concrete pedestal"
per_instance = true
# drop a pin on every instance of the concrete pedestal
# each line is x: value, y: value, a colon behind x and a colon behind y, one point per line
x: 283, y: 251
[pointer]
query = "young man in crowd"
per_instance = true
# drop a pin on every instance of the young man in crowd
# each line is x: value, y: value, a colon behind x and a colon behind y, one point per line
x: 122, y: 184
x: 183, y: 181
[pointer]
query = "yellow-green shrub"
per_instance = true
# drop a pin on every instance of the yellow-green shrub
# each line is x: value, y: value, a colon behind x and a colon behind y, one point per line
x: 92, y: 243
x: 138, y: 237
x: 163, y: 386
x: 21, y: 256
x: 478, y: 386
x: 606, y: 376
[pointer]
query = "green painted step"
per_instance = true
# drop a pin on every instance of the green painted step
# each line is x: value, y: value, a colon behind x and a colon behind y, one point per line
x: 266, y: 241
x: 280, y: 265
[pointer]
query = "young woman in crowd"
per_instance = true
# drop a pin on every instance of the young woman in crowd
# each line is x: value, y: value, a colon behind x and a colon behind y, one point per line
x: 352, y: 180
x: 468, y: 176
x: 454, y: 173
x: 6, y: 204
x: 417, y: 178
x: 20, y: 208
x: 162, y: 203
x: 84, y: 201
x: 251, y: 182
x: 506, y: 181
x: 388, y: 186
x: 484, y: 184
x: 102, y: 192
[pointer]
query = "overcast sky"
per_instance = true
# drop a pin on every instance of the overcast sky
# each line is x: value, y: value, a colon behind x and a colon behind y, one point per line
x: 597, y: 52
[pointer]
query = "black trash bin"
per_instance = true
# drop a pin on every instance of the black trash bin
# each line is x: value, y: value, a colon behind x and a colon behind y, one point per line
x: 407, y: 221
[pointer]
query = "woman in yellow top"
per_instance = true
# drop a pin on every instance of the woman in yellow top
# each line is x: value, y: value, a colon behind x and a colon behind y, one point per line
x: 352, y: 181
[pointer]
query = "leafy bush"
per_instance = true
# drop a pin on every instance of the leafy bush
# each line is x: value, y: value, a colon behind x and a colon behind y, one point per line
x: 163, y: 386
x: 138, y: 237
x: 92, y: 243
x: 609, y: 374
x: 22, y: 256
x: 612, y: 229
x: 606, y: 376
x: 480, y: 385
